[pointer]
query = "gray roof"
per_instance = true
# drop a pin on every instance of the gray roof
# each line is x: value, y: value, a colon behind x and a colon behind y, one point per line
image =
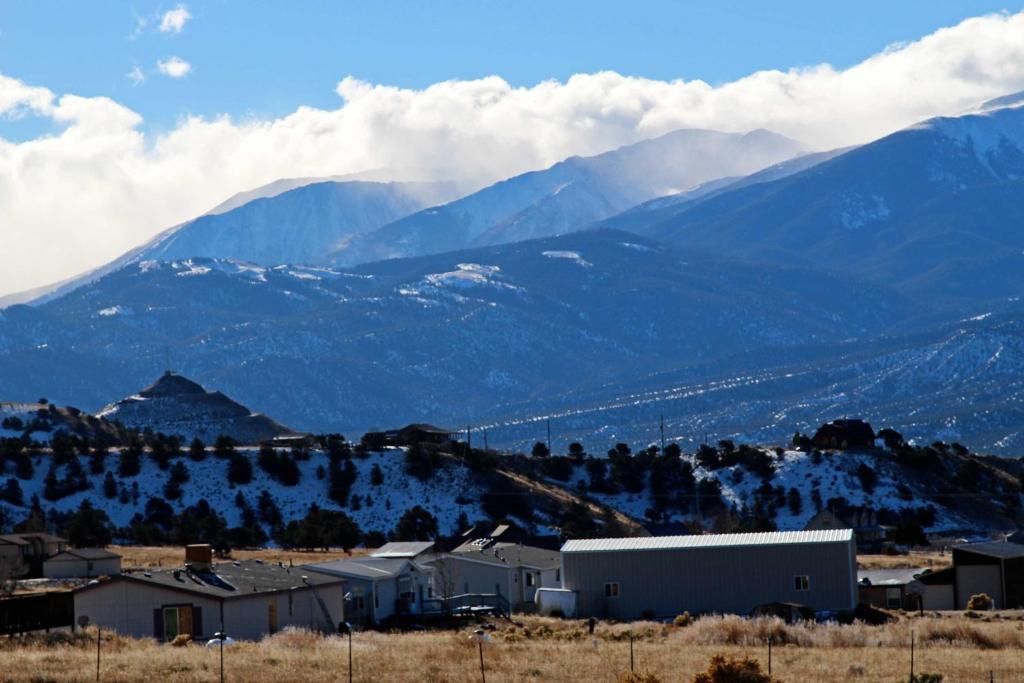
x: 363, y: 567
x: 707, y: 541
x: 402, y: 549
x: 23, y: 539
x: 996, y: 549
x: 227, y: 580
x: 89, y: 554
x: 888, y: 577
x: 515, y: 555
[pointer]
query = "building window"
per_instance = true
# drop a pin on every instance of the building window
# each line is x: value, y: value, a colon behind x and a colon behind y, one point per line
x: 529, y: 579
x: 291, y: 600
x: 611, y: 590
x: 171, y: 624
x: 376, y: 601
x: 802, y: 582
x: 558, y: 576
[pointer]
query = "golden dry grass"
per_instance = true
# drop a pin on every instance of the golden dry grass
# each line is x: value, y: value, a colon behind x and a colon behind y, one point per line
x: 546, y: 650
x: 136, y: 557
x: 914, y: 559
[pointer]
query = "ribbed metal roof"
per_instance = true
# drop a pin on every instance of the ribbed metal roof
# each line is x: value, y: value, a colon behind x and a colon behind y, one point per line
x: 590, y: 545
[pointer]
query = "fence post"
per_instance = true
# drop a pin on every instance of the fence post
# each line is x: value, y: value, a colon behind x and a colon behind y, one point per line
x: 483, y: 676
x: 631, y: 653
x: 769, y: 658
x: 911, y: 655
x: 98, y: 631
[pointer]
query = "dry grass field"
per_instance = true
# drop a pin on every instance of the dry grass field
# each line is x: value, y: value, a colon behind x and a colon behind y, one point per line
x: 139, y: 557
x: 924, y: 559
x: 963, y: 650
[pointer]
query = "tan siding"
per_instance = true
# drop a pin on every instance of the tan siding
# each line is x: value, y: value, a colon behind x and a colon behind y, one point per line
x: 972, y: 579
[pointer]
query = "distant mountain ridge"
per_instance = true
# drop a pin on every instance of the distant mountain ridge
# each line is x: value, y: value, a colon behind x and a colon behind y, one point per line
x: 436, y: 338
x: 175, y: 405
x: 934, y: 209
x: 572, y: 194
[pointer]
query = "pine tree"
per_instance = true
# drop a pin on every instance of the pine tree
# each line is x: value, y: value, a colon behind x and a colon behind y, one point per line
x: 197, y: 450
x: 376, y: 475
x: 109, y: 486
x: 12, y: 493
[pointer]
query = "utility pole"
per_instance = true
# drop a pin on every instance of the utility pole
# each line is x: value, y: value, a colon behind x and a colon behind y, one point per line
x: 663, y: 435
x: 549, y: 437
x: 469, y: 439
x: 485, y: 439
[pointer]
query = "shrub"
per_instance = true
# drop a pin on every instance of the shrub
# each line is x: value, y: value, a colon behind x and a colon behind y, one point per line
x: 722, y: 670
x: 980, y: 601
x: 638, y: 677
x: 682, y: 620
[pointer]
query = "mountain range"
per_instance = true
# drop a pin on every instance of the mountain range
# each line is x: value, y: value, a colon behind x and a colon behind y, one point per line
x: 733, y: 283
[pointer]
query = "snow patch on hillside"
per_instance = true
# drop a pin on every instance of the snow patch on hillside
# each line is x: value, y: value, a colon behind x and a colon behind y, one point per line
x: 449, y: 492
x: 568, y: 255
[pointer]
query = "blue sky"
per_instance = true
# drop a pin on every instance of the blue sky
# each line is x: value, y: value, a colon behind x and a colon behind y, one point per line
x: 264, y: 59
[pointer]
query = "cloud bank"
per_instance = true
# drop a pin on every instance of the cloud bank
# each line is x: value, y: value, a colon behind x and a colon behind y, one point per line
x: 76, y: 199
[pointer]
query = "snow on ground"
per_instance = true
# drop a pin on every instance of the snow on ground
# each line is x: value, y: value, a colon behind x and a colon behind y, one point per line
x: 568, y: 255
x: 468, y: 275
x: 834, y: 477
x: 381, y: 505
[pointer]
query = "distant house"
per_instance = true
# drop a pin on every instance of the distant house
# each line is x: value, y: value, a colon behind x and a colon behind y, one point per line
x: 379, y: 587
x: 485, y: 534
x: 662, y: 576
x: 890, y: 588
x: 247, y: 600
x: 870, y: 535
x: 939, y: 589
x: 22, y: 555
x: 996, y: 569
x: 846, y: 434
x: 83, y: 563
x: 510, y: 570
x: 409, y: 435
x: 403, y: 549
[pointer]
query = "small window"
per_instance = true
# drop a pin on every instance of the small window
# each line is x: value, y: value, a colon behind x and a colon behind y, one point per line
x: 558, y: 576
x: 802, y: 582
x: 291, y: 604
x: 376, y: 601
x: 611, y: 590
x: 529, y: 579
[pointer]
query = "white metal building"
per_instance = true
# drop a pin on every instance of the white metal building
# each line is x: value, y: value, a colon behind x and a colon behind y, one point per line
x: 628, y: 578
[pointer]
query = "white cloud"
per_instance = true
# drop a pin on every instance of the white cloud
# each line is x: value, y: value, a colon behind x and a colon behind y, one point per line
x: 174, y: 20
x: 74, y: 200
x: 136, y: 76
x: 174, y: 67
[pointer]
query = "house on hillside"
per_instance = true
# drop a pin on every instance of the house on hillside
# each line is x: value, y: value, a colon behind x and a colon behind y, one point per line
x: 996, y: 569
x: 391, y: 581
x: 22, y: 555
x: 409, y: 435
x: 82, y: 563
x: 845, y: 434
x: 245, y: 600
x: 663, y: 576
x: 870, y: 535
x: 510, y: 570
